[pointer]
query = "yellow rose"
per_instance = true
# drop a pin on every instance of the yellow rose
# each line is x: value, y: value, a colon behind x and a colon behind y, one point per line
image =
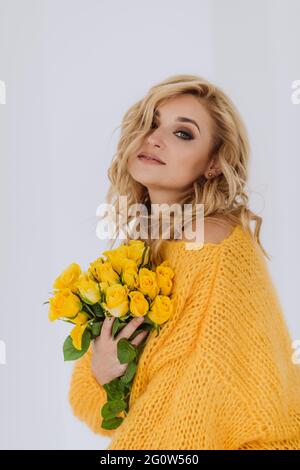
x: 130, y: 274
x: 117, y: 300
x: 81, y: 318
x: 104, y: 272
x: 64, y: 304
x: 148, y: 283
x: 138, y: 304
x: 165, y: 285
x: 68, y: 277
x: 117, y: 257
x: 89, y: 290
x: 164, y: 278
x: 76, y: 333
x: 103, y: 286
x: 93, y: 268
x: 161, y: 309
x: 165, y: 270
x: 135, y: 250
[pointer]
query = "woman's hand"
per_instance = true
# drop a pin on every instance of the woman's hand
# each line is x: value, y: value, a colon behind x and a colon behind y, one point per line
x: 105, y: 363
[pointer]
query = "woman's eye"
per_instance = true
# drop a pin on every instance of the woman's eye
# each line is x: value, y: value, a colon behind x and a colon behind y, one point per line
x: 187, y: 135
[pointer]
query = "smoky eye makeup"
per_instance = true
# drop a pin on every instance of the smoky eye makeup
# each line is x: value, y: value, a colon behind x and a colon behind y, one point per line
x: 188, y: 135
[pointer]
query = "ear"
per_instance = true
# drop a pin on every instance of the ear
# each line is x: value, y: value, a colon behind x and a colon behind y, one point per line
x: 213, y: 167
x: 215, y: 162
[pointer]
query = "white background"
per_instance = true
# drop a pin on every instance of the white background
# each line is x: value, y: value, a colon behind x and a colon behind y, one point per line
x: 72, y: 68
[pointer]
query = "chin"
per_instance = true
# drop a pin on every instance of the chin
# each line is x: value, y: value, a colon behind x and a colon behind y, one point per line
x: 145, y: 180
x: 143, y: 176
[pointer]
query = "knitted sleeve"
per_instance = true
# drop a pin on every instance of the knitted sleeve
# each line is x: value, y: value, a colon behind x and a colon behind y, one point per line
x: 189, y: 402
x: 229, y: 382
x: 187, y: 407
x: 87, y: 396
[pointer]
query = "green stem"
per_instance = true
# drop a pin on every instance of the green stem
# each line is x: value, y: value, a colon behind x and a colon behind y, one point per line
x: 90, y: 310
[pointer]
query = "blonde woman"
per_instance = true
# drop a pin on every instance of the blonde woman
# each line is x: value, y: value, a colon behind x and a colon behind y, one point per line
x: 220, y: 375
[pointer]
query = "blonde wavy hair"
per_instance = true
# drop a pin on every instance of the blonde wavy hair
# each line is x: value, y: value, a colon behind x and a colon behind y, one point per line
x: 223, y: 196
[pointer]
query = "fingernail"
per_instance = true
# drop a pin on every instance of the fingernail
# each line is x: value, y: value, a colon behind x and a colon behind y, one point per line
x: 141, y: 319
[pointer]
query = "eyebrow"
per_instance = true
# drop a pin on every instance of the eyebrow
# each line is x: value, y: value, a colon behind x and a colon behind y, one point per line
x: 182, y: 119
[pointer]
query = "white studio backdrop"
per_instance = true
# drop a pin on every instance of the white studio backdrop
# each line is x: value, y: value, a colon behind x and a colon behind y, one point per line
x: 71, y: 69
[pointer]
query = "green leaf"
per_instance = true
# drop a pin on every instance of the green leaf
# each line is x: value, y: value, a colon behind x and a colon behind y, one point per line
x: 96, y: 328
x: 129, y: 373
x: 126, y: 351
x: 116, y: 327
x: 112, y: 408
x: 116, y: 389
x: 71, y: 353
x: 86, y: 308
x: 111, y: 423
x: 98, y: 310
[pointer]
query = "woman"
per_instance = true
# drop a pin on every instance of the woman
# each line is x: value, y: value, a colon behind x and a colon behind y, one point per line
x: 220, y: 375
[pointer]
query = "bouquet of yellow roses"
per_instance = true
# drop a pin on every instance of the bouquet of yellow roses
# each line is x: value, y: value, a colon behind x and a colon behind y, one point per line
x: 124, y: 285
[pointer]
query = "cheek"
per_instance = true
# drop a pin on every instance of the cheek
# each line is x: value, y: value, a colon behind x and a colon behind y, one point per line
x: 197, y: 165
x: 188, y: 165
x: 131, y: 164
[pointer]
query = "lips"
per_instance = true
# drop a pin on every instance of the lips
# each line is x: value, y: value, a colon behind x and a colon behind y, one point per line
x: 149, y: 156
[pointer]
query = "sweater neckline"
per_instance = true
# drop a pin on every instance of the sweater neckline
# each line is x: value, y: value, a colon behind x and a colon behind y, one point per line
x: 235, y: 232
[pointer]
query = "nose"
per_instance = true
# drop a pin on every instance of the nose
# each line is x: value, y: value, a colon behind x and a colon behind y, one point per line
x: 155, y: 139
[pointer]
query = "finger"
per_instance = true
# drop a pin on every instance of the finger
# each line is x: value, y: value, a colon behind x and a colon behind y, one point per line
x: 127, y: 331
x: 107, y: 327
x: 139, y: 338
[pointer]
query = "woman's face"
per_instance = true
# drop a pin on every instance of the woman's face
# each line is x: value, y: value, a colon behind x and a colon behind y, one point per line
x: 182, y: 146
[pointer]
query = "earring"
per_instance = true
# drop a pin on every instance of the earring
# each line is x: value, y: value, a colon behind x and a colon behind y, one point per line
x: 209, y: 174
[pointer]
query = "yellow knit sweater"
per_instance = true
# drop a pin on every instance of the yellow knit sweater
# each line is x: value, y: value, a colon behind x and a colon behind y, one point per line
x: 220, y: 374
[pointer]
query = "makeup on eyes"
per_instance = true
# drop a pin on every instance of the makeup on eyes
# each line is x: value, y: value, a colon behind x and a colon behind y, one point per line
x: 181, y: 119
x: 186, y: 132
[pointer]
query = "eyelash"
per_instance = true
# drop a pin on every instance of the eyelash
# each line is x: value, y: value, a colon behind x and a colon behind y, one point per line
x: 190, y: 136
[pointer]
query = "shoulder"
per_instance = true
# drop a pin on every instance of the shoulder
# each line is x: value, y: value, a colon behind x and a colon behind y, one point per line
x: 215, y: 230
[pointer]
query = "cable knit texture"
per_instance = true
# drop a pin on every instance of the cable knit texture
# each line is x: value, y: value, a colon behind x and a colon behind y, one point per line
x: 220, y: 374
